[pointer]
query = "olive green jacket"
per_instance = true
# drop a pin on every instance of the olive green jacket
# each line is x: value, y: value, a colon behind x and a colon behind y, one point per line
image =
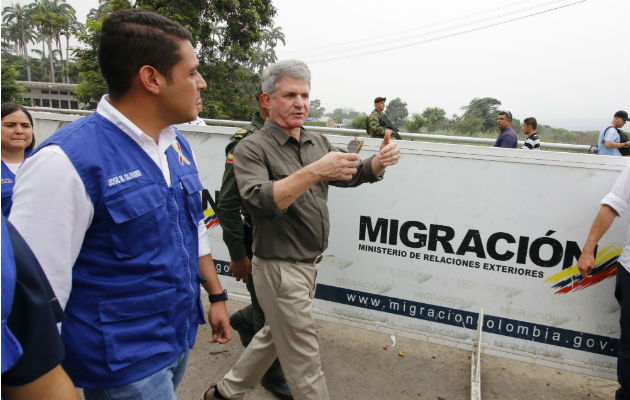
x: 230, y: 210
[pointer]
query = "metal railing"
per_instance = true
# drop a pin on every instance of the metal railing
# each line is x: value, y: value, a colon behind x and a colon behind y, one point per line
x: 579, y: 148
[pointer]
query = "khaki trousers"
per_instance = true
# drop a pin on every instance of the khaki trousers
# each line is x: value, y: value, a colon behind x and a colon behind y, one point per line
x: 285, y: 291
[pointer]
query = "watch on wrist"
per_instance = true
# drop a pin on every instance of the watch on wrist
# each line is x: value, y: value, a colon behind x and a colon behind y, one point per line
x: 218, y: 297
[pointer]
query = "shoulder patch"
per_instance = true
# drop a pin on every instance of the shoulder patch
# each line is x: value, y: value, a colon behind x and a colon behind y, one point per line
x: 230, y: 158
x: 241, y: 130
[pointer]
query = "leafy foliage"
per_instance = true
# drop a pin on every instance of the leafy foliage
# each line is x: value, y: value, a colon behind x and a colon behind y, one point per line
x: 11, y: 91
x: 339, y: 114
x: 359, y: 122
x: 315, y: 109
x: 485, y: 108
x: 231, y: 92
x: 434, y: 118
x: 397, y: 111
x: 414, y: 124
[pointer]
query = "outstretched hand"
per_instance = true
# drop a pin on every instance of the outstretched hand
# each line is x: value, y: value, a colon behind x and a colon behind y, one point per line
x: 337, y: 166
x: 390, y: 153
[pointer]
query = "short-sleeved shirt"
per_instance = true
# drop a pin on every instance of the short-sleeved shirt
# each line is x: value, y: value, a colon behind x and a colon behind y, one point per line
x: 608, y: 134
x: 33, y: 318
x: 619, y: 200
x: 507, y: 138
x: 532, y: 143
x: 301, y: 231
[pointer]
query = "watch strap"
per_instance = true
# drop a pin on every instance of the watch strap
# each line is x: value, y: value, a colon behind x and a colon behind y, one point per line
x: 223, y: 296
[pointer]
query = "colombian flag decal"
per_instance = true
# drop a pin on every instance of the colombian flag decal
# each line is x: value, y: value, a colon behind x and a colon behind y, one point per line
x: 230, y: 159
x: 570, y: 279
x: 210, y: 218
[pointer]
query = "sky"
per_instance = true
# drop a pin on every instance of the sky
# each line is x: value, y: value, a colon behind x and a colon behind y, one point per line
x: 565, y: 62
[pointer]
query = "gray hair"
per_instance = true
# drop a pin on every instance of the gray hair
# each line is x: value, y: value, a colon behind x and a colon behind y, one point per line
x: 294, y: 68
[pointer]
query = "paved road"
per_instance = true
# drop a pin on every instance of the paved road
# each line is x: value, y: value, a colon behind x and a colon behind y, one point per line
x: 357, y: 367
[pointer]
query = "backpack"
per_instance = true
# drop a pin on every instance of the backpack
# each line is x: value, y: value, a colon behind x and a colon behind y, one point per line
x: 623, y: 138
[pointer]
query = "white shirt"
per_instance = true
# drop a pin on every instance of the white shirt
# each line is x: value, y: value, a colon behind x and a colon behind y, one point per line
x: 619, y: 200
x: 52, y: 209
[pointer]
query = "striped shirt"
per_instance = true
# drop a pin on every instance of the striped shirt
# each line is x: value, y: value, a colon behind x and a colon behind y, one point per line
x: 532, y: 143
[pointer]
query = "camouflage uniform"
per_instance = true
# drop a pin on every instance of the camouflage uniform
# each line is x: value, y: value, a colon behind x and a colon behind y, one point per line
x: 237, y: 232
x: 375, y: 126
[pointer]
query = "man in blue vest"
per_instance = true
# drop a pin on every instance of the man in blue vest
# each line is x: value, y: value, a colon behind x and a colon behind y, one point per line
x: 110, y: 205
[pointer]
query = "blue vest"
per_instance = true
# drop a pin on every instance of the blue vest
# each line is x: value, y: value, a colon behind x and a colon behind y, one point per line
x: 8, y: 181
x: 11, y: 348
x: 134, y: 305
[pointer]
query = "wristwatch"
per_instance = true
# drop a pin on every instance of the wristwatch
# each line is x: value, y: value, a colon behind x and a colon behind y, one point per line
x: 218, y: 297
x: 625, y: 145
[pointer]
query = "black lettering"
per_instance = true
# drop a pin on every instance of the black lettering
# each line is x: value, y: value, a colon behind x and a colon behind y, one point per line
x: 492, y: 246
x: 477, y: 246
x: 420, y: 239
x: 365, y: 224
x: 393, y: 232
x: 556, y: 251
x: 434, y: 237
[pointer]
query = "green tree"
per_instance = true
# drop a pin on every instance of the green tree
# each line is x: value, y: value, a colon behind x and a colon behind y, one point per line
x: 470, y: 125
x: 359, y: 122
x: 231, y: 92
x: 484, y: 108
x: 315, y: 109
x: 21, y: 18
x: 397, y: 111
x: 11, y: 91
x: 227, y: 34
x: 339, y: 114
x: 435, y: 118
x: 414, y: 124
x: 50, y: 18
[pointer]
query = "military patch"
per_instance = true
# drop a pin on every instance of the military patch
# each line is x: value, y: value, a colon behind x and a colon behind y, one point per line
x: 230, y: 159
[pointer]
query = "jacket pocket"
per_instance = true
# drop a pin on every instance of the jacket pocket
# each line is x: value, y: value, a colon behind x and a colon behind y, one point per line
x: 192, y: 188
x: 137, y: 327
x: 136, y: 225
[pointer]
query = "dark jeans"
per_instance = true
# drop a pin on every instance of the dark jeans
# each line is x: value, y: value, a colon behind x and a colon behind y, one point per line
x: 622, y: 293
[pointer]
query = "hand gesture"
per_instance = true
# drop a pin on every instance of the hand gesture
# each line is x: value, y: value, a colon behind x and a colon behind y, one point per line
x: 390, y: 153
x: 337, y: 166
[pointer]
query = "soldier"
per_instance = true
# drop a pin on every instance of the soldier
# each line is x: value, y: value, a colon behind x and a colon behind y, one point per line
x: 378, y: 123
x: 237, y: 235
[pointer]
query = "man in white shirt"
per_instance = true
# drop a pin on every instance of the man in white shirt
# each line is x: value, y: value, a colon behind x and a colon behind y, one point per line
x: 110, y: 206
x: 613, y: 204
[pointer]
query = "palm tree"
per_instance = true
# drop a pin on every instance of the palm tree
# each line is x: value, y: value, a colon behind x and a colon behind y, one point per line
x: 22, y: 17
x: 51, y: 17
x: 103, y: 10
x: 271, y: 37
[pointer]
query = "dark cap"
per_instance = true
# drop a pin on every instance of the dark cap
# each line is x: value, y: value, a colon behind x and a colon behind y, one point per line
x: 623, y: 115
x: 379, y: 99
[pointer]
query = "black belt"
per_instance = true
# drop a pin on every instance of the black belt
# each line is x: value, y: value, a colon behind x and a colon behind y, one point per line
x: 313, y: 261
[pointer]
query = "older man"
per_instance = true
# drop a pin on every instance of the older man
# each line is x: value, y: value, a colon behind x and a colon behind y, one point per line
x: 507, y: 138
x: 283, y: 173
x: 110, y: 205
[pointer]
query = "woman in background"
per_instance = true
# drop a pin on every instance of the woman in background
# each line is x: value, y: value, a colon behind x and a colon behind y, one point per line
x: 17, y: 143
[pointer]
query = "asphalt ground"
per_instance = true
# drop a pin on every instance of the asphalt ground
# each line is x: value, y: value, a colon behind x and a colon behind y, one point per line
x: 357, y: 366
